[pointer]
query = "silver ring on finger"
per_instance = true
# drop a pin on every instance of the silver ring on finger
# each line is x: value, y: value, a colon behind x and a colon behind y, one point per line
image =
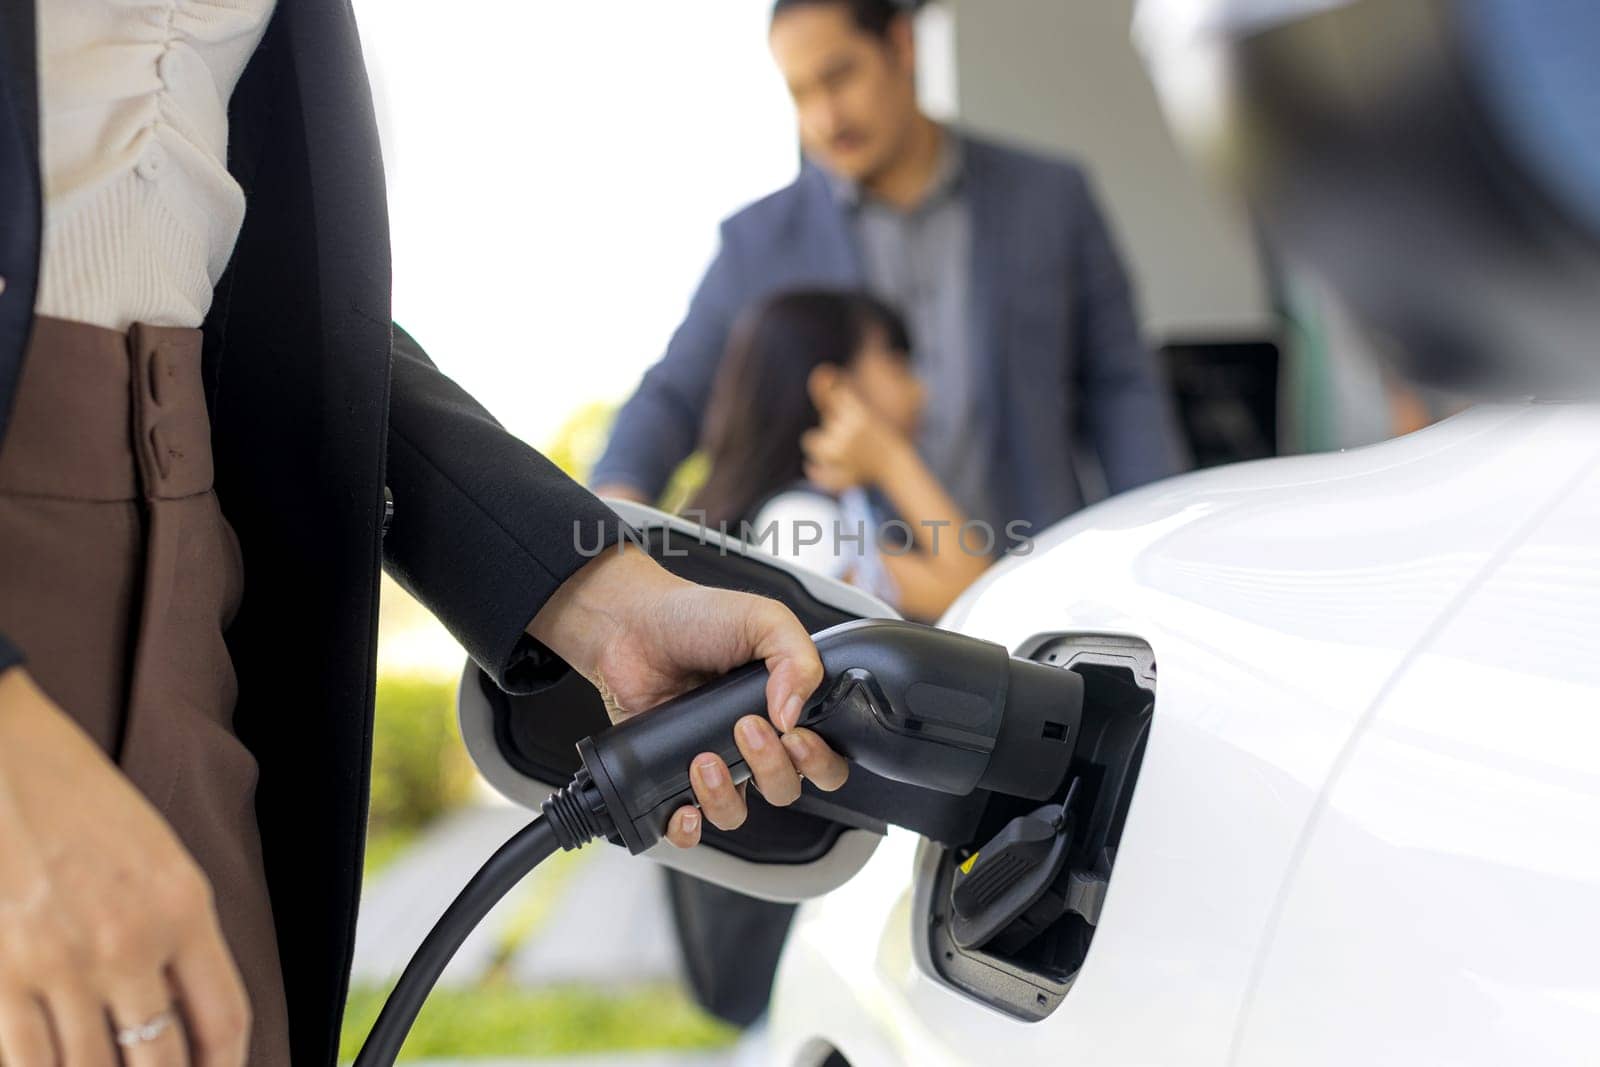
x: 147, y: 1031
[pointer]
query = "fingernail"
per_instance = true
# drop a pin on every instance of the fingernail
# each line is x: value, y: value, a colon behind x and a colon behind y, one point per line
x: 751, y: 733
x: 795, y: 745
x: 791, y: 711
x: 710, y: 769
x: 690, y: 821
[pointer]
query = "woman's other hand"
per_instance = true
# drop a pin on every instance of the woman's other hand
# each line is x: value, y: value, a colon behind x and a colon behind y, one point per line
x: 106, y: 923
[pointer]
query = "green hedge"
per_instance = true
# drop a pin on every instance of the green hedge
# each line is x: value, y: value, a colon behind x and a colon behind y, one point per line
x: 419, y: 768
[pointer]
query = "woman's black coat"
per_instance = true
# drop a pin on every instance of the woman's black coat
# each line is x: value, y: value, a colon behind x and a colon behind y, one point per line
x: 317, y: 404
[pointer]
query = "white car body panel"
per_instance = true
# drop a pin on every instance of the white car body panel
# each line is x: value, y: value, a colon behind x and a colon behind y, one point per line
x: 1367, y: 824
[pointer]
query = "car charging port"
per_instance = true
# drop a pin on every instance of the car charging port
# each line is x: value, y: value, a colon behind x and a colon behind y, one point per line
x: 1011, y: 915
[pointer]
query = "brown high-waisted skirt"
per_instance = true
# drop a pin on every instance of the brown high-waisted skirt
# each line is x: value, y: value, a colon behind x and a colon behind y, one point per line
x: 118, y: 576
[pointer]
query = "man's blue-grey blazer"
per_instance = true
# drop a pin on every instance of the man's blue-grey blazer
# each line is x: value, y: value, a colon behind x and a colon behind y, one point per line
x: 1053, y: 320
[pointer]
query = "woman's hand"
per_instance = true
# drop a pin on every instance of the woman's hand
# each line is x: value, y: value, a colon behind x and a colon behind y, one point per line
x: 643, y: 636
x: 105, y: 921
x: 853, y: 446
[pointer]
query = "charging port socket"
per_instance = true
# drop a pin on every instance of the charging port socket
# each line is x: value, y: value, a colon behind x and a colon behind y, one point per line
x: 1010, y: 916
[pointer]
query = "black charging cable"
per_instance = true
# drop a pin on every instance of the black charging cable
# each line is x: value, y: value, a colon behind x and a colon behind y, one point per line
x: 908, y: 702
x: 569, y: 820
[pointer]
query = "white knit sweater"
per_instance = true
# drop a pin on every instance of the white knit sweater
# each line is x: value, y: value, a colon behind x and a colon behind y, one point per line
x: 140, y: 212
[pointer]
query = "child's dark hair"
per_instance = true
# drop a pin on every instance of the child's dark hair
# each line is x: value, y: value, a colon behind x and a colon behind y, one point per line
x: 760, y: 405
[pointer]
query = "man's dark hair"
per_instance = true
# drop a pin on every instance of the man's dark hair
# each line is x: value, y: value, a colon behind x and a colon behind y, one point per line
x: 870, y: 16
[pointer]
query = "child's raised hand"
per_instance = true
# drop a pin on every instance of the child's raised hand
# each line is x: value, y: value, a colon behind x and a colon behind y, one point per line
x: 852, y: 445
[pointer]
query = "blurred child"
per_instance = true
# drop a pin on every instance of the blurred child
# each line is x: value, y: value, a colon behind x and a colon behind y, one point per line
x: 810, y: 437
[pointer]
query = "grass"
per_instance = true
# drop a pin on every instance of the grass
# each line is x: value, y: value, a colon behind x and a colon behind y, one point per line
x: 502, y: 1021
x: 386, y: 846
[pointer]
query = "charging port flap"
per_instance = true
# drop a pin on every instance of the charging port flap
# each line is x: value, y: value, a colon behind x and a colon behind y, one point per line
x: 1018, y: 884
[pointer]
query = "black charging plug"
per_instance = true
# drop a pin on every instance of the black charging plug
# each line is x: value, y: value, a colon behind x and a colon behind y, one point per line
x: 905, y: 701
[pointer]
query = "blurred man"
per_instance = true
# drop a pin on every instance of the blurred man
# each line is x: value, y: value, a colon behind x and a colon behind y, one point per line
x: 1019, y: 308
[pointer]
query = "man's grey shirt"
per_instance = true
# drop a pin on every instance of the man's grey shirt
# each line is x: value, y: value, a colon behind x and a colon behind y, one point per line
x: 1039, y: 352
x: 919, y: 260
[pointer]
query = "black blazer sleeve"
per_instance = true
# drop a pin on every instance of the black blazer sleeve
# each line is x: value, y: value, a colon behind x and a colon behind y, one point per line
x: 485, y: 528
x: 10, y: 655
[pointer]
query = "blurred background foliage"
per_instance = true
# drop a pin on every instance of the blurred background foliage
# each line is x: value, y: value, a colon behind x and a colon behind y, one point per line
x: 577, y: 445
x: 420, y: 770
x: 502, y: 1021
x: 582, y: 437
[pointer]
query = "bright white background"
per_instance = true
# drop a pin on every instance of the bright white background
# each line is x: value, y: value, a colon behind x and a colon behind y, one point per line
x: 556, y: 172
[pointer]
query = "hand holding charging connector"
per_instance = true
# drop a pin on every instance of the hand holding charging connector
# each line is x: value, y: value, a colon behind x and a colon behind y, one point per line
x: 905, y: 701
x: 909, y: 702
x: 642, y: 635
